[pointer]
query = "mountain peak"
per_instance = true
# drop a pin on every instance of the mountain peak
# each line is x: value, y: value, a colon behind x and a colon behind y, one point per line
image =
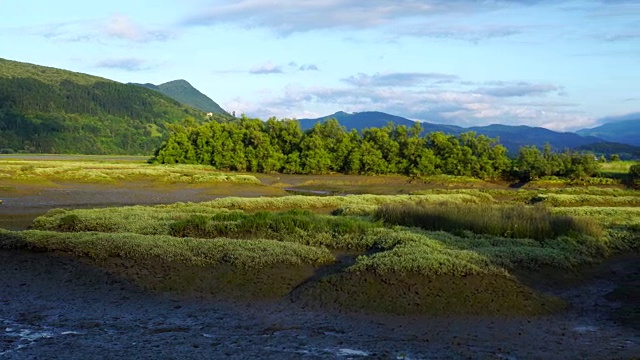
x: 179, y: 82
x: 182, y: 91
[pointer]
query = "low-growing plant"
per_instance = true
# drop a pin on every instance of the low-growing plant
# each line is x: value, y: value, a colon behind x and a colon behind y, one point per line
x: 187, y: 251
x: 293, y: 226
x: 586, y: 200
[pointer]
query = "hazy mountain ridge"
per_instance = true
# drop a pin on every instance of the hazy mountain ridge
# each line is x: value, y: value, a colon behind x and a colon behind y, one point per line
x: 512, y: 137
x: 621, y: 131
x: 183, y: 92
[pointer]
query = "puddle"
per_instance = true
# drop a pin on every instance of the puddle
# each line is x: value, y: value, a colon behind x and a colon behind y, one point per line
x: 19, y: 336
x: 351, y: 352
x: 585, y: 329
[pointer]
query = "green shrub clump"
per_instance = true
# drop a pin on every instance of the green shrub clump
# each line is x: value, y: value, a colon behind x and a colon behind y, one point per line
x: 634, y: 174
x: 300, y: 226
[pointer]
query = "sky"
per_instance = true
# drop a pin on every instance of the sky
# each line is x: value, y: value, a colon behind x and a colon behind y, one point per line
x: 563, y: 65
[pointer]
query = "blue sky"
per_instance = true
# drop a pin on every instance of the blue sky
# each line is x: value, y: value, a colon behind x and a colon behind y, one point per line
x: 558, y: 64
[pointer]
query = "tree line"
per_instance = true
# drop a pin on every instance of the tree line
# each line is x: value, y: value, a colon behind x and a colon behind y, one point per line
x: 280, y: 146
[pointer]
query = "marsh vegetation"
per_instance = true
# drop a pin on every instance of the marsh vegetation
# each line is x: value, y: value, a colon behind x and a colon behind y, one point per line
x: 467, y: 245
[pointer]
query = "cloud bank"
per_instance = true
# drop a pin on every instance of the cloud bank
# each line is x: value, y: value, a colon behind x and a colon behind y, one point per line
x: 463, y: 103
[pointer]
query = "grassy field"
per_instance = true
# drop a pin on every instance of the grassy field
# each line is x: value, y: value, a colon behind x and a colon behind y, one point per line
x: 421, y: 253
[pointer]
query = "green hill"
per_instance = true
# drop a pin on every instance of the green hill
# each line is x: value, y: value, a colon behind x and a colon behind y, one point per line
x: 185, y: 93
x: 49, y: 110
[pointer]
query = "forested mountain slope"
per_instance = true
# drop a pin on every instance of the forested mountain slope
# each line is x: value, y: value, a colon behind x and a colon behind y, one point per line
x: 49, y: 110
x: 185, y: 93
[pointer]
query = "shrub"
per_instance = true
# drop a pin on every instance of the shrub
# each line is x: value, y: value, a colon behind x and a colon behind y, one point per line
x: 299, y: 226
x: 634, y: 174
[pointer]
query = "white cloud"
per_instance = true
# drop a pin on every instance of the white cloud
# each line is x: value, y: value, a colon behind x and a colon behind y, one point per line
x: 122, y: 27
x: 128, y: 64
x: 459, y: 105
x: 265, y: 69
x: 398, y: 79
x: 289, y: 16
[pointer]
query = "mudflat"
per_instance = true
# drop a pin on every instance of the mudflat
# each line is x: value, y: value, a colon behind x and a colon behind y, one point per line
x: 56, y: 307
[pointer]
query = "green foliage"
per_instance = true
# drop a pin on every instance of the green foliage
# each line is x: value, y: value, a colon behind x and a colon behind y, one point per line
x: 506, y: 221
x: 533, y: 164
x: 281, y: 146
x: 634, y: 174
x: 293, y: 226
x: 249, y: 254
x: 439, y: 253
x: 49, y: 110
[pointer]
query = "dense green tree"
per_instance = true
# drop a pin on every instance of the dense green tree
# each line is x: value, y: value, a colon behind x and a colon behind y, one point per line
x: 177, y: 150
x: 280, y: 146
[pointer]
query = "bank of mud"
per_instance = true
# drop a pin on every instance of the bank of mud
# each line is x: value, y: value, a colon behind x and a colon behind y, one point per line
x: 57, y: 307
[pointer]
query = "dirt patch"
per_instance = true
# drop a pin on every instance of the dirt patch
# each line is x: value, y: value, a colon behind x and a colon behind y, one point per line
x: 403, y: 294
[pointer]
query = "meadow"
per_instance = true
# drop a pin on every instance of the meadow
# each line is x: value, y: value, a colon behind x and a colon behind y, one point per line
x: 434, y: 249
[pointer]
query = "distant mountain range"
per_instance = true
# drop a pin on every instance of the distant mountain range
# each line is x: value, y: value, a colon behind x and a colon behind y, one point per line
x: 183, y: 92
x: 512, y: 137
x: 369, y: 119
x: 625, y: 131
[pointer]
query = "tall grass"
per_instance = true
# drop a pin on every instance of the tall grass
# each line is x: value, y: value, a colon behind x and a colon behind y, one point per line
x: 516, y: 221
x: 607, y: 216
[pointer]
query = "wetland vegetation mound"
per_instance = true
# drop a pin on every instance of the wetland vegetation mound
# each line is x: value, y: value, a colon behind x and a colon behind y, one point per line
x: 373, y: 253
x: 414, y: 293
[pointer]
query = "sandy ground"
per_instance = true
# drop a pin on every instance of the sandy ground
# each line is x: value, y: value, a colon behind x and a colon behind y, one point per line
x: 55, y: 307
